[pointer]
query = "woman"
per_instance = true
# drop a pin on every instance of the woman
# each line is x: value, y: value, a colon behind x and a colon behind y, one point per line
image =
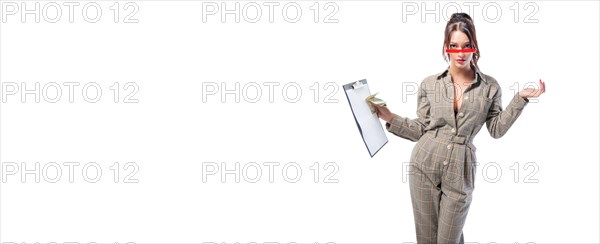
x: 442, y: 176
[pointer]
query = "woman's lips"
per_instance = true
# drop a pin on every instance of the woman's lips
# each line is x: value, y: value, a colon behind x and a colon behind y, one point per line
x: 460, y: 61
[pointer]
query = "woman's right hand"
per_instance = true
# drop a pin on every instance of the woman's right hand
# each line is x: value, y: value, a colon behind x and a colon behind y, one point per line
x: 383, y: 112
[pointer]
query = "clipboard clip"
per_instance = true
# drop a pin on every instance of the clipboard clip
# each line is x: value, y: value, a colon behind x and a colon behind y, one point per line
x: 357, y: 85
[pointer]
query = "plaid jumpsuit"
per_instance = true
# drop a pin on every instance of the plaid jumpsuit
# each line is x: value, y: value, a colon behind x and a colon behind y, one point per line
x: 442, y: 165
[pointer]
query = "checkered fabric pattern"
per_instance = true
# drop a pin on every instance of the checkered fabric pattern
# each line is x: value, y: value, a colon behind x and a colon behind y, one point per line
x: 442, y: 172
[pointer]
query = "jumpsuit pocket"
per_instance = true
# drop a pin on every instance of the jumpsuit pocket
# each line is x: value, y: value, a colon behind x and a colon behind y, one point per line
x: 484, y: 101
x: 472, y: 163
x: 473, y: 148
x: 419, y: 153
x: 473, y: 153
x: 482, y: 106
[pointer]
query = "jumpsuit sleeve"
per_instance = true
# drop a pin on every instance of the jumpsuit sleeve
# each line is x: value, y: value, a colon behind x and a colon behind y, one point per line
x: 498, y: 121
x: 412, y: 129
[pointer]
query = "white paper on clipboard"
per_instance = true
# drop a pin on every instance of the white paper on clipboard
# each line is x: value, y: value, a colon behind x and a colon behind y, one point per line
x: 368, y: 124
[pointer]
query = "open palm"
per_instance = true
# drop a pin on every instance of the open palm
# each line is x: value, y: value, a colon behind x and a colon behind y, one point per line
x: 533, y: 92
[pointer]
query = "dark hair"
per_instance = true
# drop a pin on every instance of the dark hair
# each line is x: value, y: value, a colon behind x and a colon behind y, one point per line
x: 462, y: 22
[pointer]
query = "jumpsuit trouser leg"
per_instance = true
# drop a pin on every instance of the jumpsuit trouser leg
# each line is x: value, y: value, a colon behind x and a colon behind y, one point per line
x: 441, y: 193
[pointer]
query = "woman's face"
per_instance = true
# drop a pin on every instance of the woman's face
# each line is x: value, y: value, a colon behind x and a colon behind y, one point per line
x: 459, y: 40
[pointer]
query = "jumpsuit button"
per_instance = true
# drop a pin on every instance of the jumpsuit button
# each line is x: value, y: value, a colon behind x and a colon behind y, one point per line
x: 445, y: 162
x: 453, y: 130
x: 460, y: 115
x: 449, y: 146
x: 466, y: 97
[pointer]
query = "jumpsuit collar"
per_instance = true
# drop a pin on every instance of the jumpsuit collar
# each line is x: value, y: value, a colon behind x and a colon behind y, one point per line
x: 478, y: 75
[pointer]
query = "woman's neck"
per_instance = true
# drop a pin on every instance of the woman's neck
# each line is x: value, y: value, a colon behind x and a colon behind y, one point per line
x: 462, y: 74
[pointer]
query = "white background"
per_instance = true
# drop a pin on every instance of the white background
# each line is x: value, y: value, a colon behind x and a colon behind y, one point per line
x: 170, y: 53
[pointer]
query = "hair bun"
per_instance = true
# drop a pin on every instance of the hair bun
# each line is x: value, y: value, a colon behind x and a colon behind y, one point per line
x: 460, y: 16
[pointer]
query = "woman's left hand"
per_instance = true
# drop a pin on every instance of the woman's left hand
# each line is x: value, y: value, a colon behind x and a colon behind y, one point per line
x: 532, y: 92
